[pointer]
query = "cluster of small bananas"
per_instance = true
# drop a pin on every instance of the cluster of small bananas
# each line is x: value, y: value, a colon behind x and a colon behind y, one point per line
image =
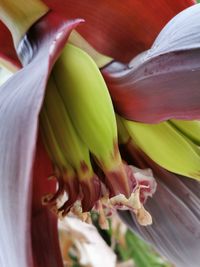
x: 173, y: 144
x: 79, y: 129
x: 81, y: 133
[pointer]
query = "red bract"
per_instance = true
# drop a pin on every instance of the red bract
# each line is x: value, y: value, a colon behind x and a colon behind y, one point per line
x: 7, y: 51
x: 43, y: 222
x: 163, y: 82
x: 120, y: 29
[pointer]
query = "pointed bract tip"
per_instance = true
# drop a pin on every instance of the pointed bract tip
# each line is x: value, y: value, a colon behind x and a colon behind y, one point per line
x: 72, y: 190
x: 120, y: 181
x: 91, y: 191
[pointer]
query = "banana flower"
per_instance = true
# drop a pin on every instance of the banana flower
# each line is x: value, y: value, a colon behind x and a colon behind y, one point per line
x: 157, y: 85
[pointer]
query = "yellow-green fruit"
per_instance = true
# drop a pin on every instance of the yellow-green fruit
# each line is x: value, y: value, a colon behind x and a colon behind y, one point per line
x: 66, y: 176
x: 90, y: 108
x: 73, y: 148
x: 189, y: 128
x: 87, y: 100
x: 168, y: 147
x: 123, y: 135
x: 50, y: 142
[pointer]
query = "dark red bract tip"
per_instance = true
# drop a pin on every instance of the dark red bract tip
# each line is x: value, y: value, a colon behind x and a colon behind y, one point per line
x: 72, y: 190
x: 120, y: 181
x: 57, y: 194
x: 91, y: 190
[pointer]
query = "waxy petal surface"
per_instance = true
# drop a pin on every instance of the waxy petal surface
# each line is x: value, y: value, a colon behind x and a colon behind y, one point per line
x: 163, y: 82
x: 20, y: 102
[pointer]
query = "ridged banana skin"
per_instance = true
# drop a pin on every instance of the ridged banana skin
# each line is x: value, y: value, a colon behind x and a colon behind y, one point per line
x: 123, y: 135
x: 166, y: 146
x: 67, y: 178
x: 189, y: 128
x: 90, y: 108
x: 87, y: 100
x: 51, y: 144
x: 73, y: 148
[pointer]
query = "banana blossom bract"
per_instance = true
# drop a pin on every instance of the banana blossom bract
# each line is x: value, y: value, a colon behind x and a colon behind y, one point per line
x: 146, y: 90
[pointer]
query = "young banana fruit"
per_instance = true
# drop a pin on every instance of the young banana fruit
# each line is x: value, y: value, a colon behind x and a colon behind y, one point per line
x: 90, y: 108
x: 67, y: 178
x: 74, y: 150
x: 78, y: 124
x: 167, y: 146
x: 189, y: 128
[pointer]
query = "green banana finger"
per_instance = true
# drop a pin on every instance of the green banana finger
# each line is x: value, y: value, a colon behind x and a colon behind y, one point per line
x: 74, y: 150
x: 87, y: 100
x: 123, y: 135
x: 91, y: 111
x: 67, y: 178
x: 50, y: 142
x: 164, y: 144
x: 189, y: 128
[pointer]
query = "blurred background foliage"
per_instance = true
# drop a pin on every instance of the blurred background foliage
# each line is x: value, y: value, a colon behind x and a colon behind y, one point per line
x: 127, y: 245
x: 127, y: 248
